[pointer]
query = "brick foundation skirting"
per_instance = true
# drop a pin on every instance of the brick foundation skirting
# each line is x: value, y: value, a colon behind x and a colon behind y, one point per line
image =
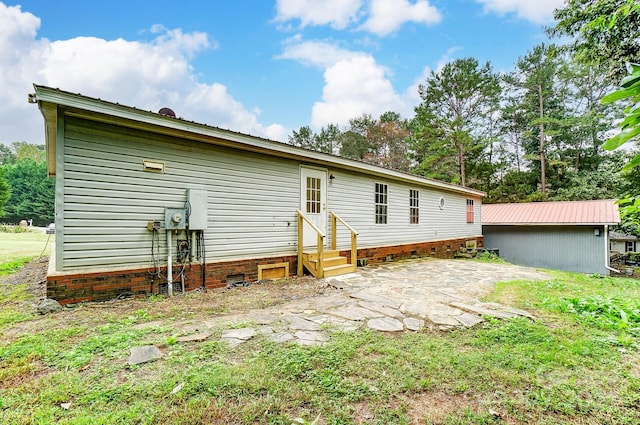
x: 70, y: 288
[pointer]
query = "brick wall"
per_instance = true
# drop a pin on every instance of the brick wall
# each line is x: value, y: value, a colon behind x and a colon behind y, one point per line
x: 73, y: 288
x: 437, y: 249
x: 107, y: 285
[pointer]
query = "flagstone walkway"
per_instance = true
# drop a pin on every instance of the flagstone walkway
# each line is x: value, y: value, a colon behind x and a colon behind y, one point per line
x: 393, y: 297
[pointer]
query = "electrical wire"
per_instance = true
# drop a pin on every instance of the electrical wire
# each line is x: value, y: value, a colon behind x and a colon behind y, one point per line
x: 45, y: 245
x: 155, y: 241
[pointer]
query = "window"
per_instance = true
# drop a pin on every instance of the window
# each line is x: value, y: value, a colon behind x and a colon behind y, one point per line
x: 381, y: 203
x: 469, y: 210
x: 631, y: 246
x: 313, y: 195
x: 414, y: 207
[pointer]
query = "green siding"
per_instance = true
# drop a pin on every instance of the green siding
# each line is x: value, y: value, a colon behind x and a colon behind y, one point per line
x: 105, y: 199
x: 108, y: 198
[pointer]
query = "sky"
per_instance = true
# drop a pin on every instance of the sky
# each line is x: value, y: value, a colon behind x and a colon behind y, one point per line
x: 260, y: 67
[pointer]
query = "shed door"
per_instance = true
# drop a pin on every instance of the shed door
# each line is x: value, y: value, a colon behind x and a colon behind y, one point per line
x: 313, y: 202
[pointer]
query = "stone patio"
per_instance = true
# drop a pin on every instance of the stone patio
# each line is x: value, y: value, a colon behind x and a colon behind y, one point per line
x: 394, y: 297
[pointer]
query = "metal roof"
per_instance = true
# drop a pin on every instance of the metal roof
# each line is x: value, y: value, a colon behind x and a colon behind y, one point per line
x: 53, y: 102
x: 552, y: 213
x: 616, y: 236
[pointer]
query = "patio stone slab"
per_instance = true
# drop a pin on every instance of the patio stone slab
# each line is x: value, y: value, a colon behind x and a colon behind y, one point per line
x: 385, y: 324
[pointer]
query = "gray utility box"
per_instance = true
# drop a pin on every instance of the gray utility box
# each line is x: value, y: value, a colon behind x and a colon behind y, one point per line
x: 198, y: 204
x: 175, y: 218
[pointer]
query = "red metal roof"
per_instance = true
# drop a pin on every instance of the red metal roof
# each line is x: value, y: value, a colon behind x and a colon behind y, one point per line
x: 548, y: 213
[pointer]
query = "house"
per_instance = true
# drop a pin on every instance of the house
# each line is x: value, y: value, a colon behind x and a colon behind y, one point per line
x: 620, y: 243
x: 568, y: 235
x: 148, y: 203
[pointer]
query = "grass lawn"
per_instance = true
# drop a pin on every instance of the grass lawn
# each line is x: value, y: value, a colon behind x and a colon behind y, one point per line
x: 18, y: 248
x: 578, y: 363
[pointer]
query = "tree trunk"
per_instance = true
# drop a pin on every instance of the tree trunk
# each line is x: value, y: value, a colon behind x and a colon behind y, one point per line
x: 463, y: 177
x: 543, y: 177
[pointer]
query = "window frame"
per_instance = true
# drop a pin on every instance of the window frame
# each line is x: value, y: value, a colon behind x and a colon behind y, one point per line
x: 381, y: 204
x: 414, y: 206
x: 470, y: 211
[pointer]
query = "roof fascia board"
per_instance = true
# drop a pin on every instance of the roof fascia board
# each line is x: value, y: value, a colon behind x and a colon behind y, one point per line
x: 108, y: 112
x: 50, y: 113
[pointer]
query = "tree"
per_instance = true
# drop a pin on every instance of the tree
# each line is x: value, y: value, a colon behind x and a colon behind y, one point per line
x: 328, y: 139
x: 533, y: 87
x: 7, y: 156
x: 452, y: 121
x: 24, y: 151
x: 630, y: 126
x: 304, y: 138
x: 604, y: 32
x: 587, y: 120
x: 353, y: 141
x: 387, y: 138
x: 5, y: 191
x: 325, y: 141
x: 32, y: 192
x: 630, y: 132
x: 353, y: 145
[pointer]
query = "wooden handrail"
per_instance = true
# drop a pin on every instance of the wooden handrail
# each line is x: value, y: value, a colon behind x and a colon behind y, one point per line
x: 354, y: 235
x: 313, y: 226
x: 351, y: 229
x: 319, y: 242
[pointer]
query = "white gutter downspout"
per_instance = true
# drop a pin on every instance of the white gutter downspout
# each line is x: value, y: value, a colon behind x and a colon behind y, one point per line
x: 606, y: 250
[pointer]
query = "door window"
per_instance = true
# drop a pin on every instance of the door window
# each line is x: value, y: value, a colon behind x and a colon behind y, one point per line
x: 313, y: 195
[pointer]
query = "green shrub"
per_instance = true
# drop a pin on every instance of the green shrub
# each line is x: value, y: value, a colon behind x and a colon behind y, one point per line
x: 7, y: 228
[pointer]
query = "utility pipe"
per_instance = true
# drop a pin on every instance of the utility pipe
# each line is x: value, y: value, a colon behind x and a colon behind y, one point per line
x: 169, y: 265
x: 606, y: 250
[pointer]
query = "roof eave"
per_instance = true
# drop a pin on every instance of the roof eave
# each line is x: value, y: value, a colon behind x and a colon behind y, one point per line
x: 78, y: 105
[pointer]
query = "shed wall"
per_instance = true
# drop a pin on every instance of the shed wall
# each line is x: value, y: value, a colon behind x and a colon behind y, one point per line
x: 570, y: 248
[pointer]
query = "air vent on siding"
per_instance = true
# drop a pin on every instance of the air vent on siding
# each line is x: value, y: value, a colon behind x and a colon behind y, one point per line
x: 153, y: 166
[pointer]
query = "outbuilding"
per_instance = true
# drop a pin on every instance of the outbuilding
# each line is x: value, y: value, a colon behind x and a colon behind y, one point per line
x: 620, y: 243
x: 147, y: 203
x: 564, y: 235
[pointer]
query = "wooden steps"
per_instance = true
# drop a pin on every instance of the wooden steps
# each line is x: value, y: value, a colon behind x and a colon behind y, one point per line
x: 333, y: 264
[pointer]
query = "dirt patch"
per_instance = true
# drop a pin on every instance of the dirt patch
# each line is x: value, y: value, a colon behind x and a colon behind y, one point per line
x: 34, y: 273
x: 196, y: 305
x: 420, y: 408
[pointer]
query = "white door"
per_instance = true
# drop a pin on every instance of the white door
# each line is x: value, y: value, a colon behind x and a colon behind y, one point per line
x: 313, y: 202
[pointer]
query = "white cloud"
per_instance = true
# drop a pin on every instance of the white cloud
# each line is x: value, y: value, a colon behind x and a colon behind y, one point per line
x: 148, y: 75
x: 352, y: 87
x: 318, y: 54
x: 538, y: 11
x: 412, y: 94
x: 382, y: 16
x: 336, y: 13
x: 387, y: 16
x: 354, y: 83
